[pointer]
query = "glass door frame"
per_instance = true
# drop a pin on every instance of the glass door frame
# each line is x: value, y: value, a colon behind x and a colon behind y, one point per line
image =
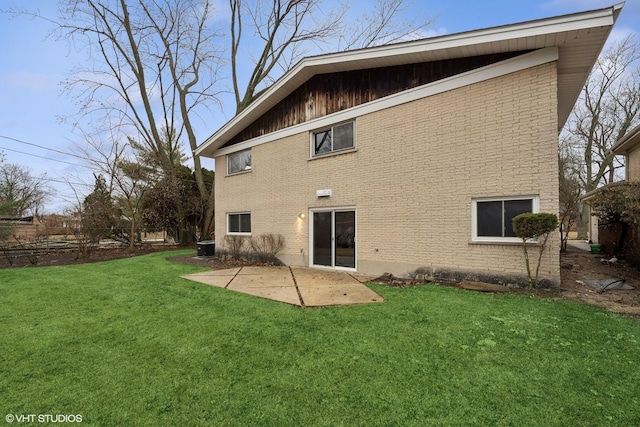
x: 333, y: 211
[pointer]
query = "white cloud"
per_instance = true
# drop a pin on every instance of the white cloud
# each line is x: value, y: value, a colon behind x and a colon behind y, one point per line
x: 433, y: 32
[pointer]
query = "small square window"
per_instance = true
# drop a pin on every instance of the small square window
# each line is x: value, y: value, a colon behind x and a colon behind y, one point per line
x: 492, y: 219
x: 239, y: 223
x: 336, y: 138
x: 239, y: 162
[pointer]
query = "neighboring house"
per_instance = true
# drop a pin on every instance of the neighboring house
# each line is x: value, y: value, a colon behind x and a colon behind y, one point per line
x: 24, y: 229
x: 629, y: 147
x: 410, y: 156
x: 609, y: 236
x: 62, y: 225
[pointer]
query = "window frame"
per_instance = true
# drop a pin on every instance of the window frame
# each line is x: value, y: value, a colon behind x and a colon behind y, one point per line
x: 312, y: 140
x: 238, y: 233
x: 229, y: 172
x: 535, y: 208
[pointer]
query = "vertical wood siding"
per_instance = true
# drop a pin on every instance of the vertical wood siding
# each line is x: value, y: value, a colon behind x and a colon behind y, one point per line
x: 325, y: 94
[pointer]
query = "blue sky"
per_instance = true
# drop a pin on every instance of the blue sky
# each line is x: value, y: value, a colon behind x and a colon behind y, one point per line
x: 33, y: 66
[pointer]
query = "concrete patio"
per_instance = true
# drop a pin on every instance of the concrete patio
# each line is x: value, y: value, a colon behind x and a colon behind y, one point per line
x: 304, y: 287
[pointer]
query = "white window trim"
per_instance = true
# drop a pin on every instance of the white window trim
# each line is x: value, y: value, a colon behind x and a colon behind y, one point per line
x: 237, y: 233
x: 535, y: 206
x: 312, y: 142
x: 241, y: 171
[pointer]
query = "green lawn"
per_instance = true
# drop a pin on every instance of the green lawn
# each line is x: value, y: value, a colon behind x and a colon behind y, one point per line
x: 128, y: 342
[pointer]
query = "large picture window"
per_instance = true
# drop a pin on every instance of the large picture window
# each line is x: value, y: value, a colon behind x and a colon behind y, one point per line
x: 239, y: 162
x: 336, y: 138
x: 239, y: 223
x: 492, y: 218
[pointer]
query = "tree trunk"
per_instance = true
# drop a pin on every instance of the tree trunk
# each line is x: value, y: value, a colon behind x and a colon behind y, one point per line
x: 132, y: 234
x: 582, y: 222
x: 208, y: 224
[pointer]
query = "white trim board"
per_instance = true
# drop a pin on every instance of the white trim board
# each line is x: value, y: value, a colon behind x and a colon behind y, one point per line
x: 512, y: 65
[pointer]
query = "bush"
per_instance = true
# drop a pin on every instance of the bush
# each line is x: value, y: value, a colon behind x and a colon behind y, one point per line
x: 235, y: 245
x: 266, y: 246
x: 619, y: 203
x: 534, y: 226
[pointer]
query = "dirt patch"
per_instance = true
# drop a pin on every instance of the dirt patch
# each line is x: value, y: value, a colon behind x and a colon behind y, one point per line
x: 578, y: 266
x: 214, y: 263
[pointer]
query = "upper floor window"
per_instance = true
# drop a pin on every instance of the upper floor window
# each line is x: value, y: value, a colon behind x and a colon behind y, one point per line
x: 492, y: 218
x: 239, y: 162
x: 336, y: 138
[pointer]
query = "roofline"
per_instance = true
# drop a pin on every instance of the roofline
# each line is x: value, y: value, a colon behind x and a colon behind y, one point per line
x: 627, y: 142
x: 507, y: 66
x: 588, y: 196
x: 349, y: 60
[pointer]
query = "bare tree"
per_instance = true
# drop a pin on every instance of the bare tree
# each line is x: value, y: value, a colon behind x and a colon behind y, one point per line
x: 607, y: 109
x: 122, y: 181
x: 385, y: 22
x: 288, y: 29
x: 131, y: 183
x: 570, y: 194
x: 152, y: 65
x: 20, y: 192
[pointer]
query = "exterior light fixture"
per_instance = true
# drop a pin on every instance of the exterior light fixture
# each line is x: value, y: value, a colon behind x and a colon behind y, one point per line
x: 301, y: 216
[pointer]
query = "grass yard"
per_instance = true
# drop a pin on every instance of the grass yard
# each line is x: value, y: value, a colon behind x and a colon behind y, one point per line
x: 128, y: 342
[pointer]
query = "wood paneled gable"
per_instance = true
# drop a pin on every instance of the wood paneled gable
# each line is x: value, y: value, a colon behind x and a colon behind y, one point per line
x: 325, y: 94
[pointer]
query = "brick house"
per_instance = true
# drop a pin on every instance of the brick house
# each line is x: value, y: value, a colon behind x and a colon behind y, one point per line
x: 413, y: 155
x: 629, y: 147
x: 615, y: 239
x: 24, y: 229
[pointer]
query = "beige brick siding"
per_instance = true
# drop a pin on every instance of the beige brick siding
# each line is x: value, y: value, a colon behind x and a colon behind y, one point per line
x: 633, y: 165
x: 416, y: 169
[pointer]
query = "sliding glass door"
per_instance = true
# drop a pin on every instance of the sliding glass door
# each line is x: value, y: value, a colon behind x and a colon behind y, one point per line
x: 334, y: 238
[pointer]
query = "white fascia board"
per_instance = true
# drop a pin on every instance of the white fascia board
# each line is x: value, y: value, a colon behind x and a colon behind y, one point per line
x: 310, y: 66
x: 626, y: 142
x: 488, y: 72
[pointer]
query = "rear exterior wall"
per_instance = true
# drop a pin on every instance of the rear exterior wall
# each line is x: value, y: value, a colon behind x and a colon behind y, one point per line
x: 412, y: 178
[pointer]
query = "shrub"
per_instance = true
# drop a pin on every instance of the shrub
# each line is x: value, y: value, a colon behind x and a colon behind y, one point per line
x: 235, y: 245
x: 534, y: 226
x: 618, y: 203
x: 266, y: 246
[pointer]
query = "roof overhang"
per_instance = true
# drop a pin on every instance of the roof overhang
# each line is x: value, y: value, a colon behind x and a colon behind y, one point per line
x: 628, y: 142
x: 591, y: 194
x: 579, y: 38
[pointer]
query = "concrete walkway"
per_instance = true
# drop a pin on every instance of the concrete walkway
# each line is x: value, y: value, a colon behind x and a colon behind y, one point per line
x: 304, y: 287
x: 580, y: 244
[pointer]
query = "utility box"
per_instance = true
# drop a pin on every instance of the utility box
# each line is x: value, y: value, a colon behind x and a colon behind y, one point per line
x: 206, y: 248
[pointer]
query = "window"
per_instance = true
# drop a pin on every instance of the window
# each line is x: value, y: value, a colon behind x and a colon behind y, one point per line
x: 492, y: 218
x: 239, y: 162
x: 239, y: 223
x: 336, y: 138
